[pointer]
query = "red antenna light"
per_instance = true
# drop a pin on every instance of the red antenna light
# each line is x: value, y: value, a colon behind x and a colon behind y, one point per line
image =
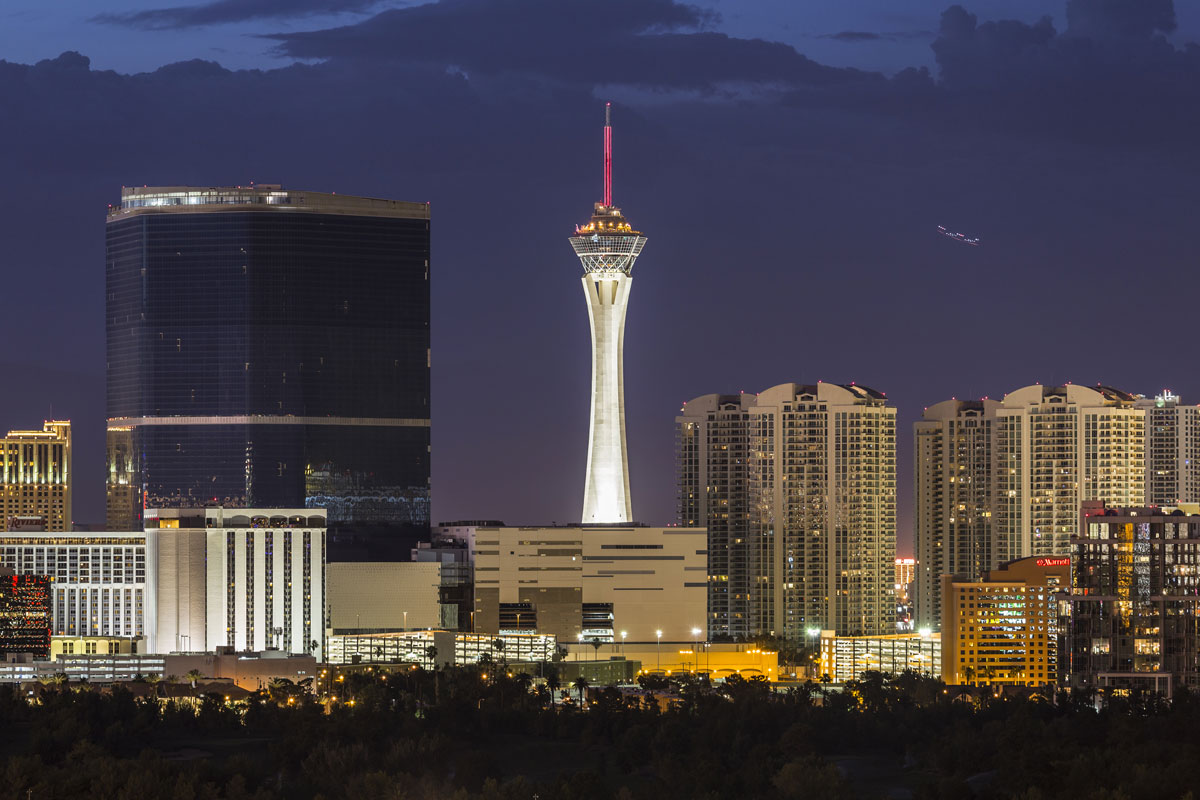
x: 608, y: 154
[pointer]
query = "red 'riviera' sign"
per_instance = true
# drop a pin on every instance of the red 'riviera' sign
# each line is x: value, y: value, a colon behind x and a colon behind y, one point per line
x: 1054, y: 562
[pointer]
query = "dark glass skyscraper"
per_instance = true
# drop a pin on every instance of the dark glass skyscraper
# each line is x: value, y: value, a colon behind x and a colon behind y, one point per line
x: 268, y: 348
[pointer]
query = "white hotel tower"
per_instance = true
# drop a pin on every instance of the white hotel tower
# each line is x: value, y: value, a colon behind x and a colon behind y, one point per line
x: 608, y: 247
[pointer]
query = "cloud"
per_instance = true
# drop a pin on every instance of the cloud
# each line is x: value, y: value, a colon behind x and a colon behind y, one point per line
x: 650, y: 43
x: 1120, y: 19
x: 1134, y: 88
x: 853, y: 37
x: 1070, y: 154
x: 221, y: 12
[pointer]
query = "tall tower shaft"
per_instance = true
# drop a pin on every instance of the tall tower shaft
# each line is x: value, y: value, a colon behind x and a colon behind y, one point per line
x: 607, y: 246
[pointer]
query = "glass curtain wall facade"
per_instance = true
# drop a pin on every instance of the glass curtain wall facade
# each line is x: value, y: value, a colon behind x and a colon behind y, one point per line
x: 268, y: 348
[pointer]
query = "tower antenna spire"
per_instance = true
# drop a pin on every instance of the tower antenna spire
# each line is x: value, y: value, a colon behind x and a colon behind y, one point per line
x: 608, y: 154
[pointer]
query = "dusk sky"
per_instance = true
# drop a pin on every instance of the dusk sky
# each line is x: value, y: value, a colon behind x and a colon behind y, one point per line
x: 790, y: 164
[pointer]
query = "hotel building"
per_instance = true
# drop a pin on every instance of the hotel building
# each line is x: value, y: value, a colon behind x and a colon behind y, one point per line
x: 100, y: 583
x: 269, y: 348
x: 24, y: 614
x: 1003, y: 629
x: 249, y: 579
x: 35, y: 475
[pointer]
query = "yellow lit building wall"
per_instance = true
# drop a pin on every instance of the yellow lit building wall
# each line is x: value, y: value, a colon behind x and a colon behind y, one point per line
x: 718, y: 660
x: 35, y: 475
x: 91, y: 645
x: 1003, y: 630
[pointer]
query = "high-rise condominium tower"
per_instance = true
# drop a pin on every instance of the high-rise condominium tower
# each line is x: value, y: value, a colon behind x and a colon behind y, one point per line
x: 269, y: 348
x: 35, y: 475
x: 1172, y: 450
x: 998, y: 481
x: 607, y: 247
x: 797, y: 486
x: 1055, y: 447
x: 713, y: 451
x: 953, y: 483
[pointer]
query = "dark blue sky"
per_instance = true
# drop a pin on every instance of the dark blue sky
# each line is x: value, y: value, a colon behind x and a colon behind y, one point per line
x: 787, y: 168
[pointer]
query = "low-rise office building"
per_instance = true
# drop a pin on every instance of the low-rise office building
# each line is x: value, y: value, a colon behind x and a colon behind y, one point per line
x: 592, y: 581
x: 1003, y: 630
x: 1135, y: 598
x: 441, y: 648
x: 845, y: 658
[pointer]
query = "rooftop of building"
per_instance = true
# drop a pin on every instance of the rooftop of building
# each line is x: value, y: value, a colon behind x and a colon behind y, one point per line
x: 270, y: 197
x: 221, y: 517
x: 606, y: 220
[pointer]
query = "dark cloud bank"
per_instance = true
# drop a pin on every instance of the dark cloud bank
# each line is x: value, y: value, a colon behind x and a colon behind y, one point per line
x: 790, y: 207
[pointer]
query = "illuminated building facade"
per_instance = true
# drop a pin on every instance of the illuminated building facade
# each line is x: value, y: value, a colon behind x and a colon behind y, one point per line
x: 953, y: 483
x: 712, y: 462
x: 270, y: 349
x: 592, y: 583
x: 1135, y: 598
x: 822, y: 484
x: 608, y: 247
x: 799, y: 485
x: 99, y: 583
x: 906, y: 573
x: 248, y: 579
x: 1056, y: 447
x: 448, y: 647
x: 846, y: 658
x: 1003, y: 630
x: 24, y: 614
x: 35, y: 475
x: 1172, y: 450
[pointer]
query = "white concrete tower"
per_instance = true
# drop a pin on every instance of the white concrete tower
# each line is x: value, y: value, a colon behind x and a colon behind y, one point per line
x: 607, y: 246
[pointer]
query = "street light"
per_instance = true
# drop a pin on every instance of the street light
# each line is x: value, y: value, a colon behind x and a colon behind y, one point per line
x: 813, y: 633
x: 658, y: 635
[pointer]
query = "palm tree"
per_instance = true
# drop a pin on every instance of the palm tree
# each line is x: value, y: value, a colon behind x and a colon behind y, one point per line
x: 580, y: 684
x: 431, y: 655
x: 194, y: 675
x: 553, y: 683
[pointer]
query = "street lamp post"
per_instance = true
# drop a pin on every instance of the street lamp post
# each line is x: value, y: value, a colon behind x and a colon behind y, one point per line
x: 696, y: 646
x: 658, y: 636
x: 814, y: 633
x: 623, y: 635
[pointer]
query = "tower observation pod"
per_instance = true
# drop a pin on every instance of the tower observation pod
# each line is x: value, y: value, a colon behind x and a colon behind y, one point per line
x: 607, y: 247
